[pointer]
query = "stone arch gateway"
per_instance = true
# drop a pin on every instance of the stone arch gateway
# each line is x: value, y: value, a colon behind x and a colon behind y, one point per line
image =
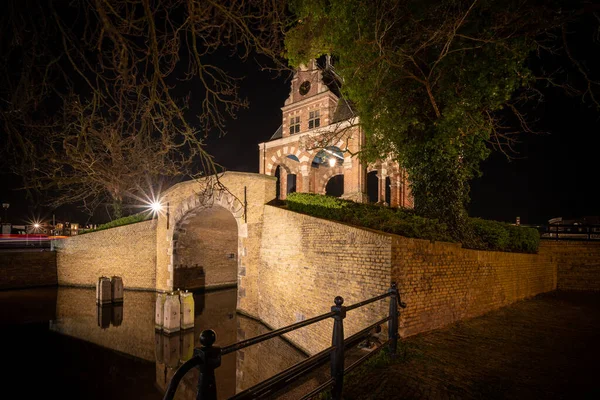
x: 239, y: 196
x: 205, y: 249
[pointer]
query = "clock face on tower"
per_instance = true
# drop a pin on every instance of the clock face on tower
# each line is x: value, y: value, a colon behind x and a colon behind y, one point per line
x: 304, y: 87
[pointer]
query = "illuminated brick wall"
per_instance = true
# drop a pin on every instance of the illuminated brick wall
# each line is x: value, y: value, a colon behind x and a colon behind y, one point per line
x: 443, y: 283
x: 578, y: 263
x: 306, y: 262
x: 127, y: 251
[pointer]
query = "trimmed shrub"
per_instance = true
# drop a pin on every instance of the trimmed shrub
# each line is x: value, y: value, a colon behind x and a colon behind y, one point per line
x: 398, y: 221
x: 485, y: 234
x: 494, y: 235
x: 523, y: 239
x: 132, y: 219
x: 488, y: 235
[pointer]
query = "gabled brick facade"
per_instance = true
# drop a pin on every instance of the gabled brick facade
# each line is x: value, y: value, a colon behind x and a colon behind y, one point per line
x: 320, y: 138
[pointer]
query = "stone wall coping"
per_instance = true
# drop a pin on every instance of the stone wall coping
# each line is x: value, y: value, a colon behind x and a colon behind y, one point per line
x: 105, y: 231
x: 221, y: 175
x: 562, y: 243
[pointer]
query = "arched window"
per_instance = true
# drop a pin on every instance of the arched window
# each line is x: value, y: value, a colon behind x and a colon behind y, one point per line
x: 278, y: 184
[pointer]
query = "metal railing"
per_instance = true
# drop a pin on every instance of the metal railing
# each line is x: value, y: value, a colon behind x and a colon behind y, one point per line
x: 569, y: 232
x: 208, y: 357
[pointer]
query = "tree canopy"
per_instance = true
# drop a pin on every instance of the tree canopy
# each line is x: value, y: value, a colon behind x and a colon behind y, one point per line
x: 438, y: 84
x: 98, y: 98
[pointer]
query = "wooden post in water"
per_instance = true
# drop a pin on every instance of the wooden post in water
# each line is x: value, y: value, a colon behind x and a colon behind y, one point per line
x: 103, y: 291
x: 172, y: 319
x: 186, y: 300
x: 159, y: 318
x: 116, y: 286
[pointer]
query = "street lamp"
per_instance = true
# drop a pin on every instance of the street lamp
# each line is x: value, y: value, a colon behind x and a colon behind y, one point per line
x: 156, y: 206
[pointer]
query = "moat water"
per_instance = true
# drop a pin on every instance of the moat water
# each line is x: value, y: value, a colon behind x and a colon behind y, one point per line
x: 57, y: 343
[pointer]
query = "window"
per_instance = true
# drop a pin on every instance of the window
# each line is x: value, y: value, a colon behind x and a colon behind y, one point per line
x: 314, y: 119
x: 294, y: 125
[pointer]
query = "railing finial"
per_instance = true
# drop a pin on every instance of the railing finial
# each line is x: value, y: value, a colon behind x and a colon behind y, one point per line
x: 339, y: 300
x: 208, y: 338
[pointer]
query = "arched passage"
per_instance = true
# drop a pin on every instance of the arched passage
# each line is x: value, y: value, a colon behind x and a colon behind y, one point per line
x: 335, y: 186
x: 286, y: 181
x: 205, y: 251
x: 373, y: 187
x: 388, y: 190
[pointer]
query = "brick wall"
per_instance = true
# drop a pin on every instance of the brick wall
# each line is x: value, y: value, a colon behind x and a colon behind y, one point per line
x: 443, y: 283
x: 127, y: 251
x: 306, y: 262
x: 20, y: 269
x: 578, y: 263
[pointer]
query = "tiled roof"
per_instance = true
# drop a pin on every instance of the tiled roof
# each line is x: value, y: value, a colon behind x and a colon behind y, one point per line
x: 343, y: 111
x: 278, y: 133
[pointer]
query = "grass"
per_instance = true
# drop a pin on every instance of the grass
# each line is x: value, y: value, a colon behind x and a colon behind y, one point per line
x: 132, y: 219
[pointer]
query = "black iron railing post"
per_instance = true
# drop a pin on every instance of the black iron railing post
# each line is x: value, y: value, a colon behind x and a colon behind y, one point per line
x: 395, y: 302
x: 211, y: 359
x: 337, y: 354
x: 393, y: 324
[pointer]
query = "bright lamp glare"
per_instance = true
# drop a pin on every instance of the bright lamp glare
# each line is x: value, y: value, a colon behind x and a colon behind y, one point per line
x: 156, y: 206
x: 36, y: 226
x: 332, y: 162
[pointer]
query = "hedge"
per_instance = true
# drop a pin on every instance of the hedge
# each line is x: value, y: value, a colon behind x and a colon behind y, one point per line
x: 393, y: 220
x: 485, y: 234
x: 132, y: 219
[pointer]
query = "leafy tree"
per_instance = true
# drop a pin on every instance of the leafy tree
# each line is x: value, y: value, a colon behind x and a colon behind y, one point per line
x: 432, y: 80
x: 95, y: 94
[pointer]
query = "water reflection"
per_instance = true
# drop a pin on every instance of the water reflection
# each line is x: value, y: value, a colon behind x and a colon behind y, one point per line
x: 120, y: 344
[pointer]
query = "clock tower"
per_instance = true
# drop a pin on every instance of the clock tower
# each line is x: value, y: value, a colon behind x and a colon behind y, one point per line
x: 311, y: 102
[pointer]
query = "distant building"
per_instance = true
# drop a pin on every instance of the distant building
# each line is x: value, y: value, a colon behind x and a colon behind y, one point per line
x: 575, y: 228
x: 66, y: 229
x: 589, y: 220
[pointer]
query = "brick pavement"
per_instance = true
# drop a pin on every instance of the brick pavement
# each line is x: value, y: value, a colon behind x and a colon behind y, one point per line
x: 546, y: 347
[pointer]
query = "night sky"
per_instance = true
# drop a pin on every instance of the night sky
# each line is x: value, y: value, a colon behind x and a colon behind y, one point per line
x: 552, y: 176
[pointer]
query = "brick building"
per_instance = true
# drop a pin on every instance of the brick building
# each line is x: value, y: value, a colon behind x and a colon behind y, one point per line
x: 315, y: 148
